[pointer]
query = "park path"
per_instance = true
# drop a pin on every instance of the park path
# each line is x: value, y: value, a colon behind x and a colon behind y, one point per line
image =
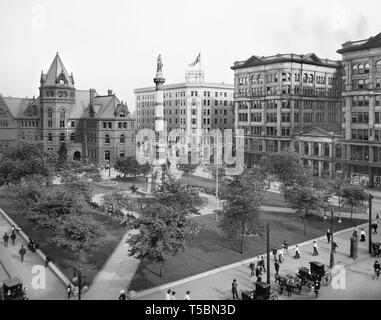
x: 12, y: 266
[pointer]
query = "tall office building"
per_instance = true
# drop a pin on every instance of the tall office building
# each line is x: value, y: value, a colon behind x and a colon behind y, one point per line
x: 281, y: 97
x: 361, y: 121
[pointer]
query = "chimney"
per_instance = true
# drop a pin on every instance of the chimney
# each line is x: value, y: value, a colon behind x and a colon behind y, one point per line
x: 92, y: 95
x: 109, y: 92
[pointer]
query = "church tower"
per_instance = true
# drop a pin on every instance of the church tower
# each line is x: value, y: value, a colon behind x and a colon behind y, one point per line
x: 57, y: 98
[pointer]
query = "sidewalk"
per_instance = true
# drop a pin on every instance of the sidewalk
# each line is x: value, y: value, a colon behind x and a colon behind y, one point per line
x: 10, y: 261
x: 217, y: 286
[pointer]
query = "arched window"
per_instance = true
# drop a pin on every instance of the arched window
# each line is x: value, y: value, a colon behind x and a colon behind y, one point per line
x: 260, y: 80
x: 50, y: 118
x: 50, y: 137
x: 361, y: 68
x: 122, y: 138
x: 72, y: 136
x: 62, y: 136
x: 366, y: 68
x: 107, y: 139
x: 288, y: 76
x: 306, y: 148
x: 297, y: 77
x: 62, y: 118
x: 355, y: 69
x: 325, y: 166
x: 326, y: 149
x: 305, y: 78
x: 119, y: 125
x: 125, y: 125
x: 284, y: 77
x: 378, y: 66
x: 311, y: 78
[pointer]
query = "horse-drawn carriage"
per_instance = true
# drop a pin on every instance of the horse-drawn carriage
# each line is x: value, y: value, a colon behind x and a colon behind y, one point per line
x: 317, y: 271
x: 261, y: 292
x: 304, y: 280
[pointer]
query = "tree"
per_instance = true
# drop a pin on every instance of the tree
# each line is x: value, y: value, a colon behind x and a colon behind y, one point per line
x: 75, y: 184
x: 62, y: 159
x: 130, y: 166
x: 338, y: 182
x: 354, y: 196
x: 173, y: 193
x: 164, y: 231
x: 284, y: 165
x: 78, y: 234
x: 25, y: 159
x: 306, y: 200
x: 188, y: 169
x: 243, y: 196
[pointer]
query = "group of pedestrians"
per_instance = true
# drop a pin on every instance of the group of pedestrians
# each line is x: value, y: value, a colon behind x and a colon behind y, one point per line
x: 13, y: 237
x: 171, y: 295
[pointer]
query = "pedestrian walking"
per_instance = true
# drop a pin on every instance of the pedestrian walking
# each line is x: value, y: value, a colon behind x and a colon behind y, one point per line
x: 263, y: 266
x: 234, y: 289
x: 335, y: 246
x: 173, y: 295
x: 354, y: 232
x: 168, y: 295
x: 328, y: 236
x: 285, y: 247
x: 6, y: 238
x: 258, y: 272
x: 13, y: 229
x: 377, y: 268
x: 22, y: 253
x: 275, y: 250
x: 122, y: 295
x: 315, y: 248
x: 187, y: 295
x: 276, y: 267
x: 252, y: 268
x: 289, y: 286
x: 47, y: 260
x: 13, y: 238
x: 374, y: 227
x: 362, y: 235
x: 280, y: 256
x: 69, y: 290
x: 317, y: 287
x: 377, y: 218
x: 297, y: 254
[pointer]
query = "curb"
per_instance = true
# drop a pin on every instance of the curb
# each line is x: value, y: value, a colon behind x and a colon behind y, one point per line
x: 227, y: 267
x: 51, y: 265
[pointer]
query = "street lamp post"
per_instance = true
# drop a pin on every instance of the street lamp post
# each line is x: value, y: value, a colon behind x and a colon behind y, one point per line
x: 332, y: 256
x: 370, y: 222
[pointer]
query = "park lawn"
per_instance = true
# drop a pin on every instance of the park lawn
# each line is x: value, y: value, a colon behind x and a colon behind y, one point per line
x: 63, y: 259
x: 210, y: 251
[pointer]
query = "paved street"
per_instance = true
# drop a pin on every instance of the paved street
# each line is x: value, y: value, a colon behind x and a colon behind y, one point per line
x: 11, y: 264
x: 217, y: 286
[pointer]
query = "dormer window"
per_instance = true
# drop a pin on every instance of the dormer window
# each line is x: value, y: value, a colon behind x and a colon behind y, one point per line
x: 122, y: 115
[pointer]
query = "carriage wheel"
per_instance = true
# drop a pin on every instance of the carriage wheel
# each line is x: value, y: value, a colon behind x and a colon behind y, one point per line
x: 326, y: 280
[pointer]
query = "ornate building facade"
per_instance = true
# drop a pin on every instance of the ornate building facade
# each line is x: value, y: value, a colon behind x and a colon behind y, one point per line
x: 361, y: 121
x: 95, y: 128
x: 279, y: 98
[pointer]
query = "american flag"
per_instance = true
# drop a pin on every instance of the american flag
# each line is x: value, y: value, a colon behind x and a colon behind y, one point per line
x: 196, y: 61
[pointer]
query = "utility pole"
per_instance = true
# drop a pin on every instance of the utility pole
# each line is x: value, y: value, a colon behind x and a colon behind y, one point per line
x: 370, y: 222
x: 268, y: 252
x: 332, y: 257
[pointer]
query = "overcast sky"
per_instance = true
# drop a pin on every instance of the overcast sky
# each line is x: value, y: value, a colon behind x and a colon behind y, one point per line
x: 114, y: 44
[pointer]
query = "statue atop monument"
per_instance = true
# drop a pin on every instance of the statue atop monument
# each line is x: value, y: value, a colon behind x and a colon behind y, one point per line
x: 159, y: 64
